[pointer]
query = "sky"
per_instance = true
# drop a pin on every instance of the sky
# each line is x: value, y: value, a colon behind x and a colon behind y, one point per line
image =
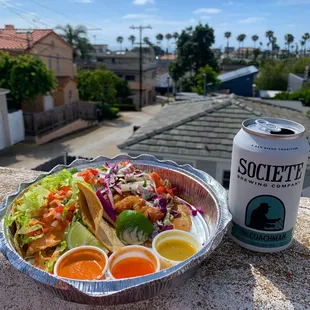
x: 107, y: 19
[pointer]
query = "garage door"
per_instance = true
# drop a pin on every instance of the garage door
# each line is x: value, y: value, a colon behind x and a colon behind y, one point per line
x: 2, y: 133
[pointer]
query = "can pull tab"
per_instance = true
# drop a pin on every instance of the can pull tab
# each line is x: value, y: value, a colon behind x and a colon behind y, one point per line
x: 266, y: 126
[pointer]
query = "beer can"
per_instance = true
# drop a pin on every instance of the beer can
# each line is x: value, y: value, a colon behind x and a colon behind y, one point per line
x: 269, y: 161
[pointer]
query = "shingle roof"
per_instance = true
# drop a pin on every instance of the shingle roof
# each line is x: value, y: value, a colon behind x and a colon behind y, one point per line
x: 203, y: 128
x: 15, y: 39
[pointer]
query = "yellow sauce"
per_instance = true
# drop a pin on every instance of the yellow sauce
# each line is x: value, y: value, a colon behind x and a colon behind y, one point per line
x: 175, y: 249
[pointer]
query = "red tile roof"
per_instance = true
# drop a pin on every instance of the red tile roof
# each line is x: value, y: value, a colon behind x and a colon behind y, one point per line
x: 19, y: 39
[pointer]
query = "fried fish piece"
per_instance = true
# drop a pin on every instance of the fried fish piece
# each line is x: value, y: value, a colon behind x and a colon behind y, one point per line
x: 184, y: 222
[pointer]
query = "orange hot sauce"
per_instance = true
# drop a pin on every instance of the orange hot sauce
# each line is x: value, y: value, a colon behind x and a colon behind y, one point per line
x: 82, y: 265
x: 132, y: 267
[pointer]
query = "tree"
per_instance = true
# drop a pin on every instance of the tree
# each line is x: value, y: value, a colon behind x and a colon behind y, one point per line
x: 255, y: 38
x: 273, y: 75
x: 194, y: 52
x: 306, y: 37
x: 289, y: 39
x: 175, y: 36
x: 168, y: 37
x: 122, y: 90
x: 146, y: 40
x: 77, y: 37
x: 269, y: 35
x: 132, y: 39
x: 26, y: 76
x: 159, y: 38
x: 98, y: 85
x: 227, y: 36
x: 211, y: 77
x: 239, y: 39
x: 120, y: 40
x: 302, y: 47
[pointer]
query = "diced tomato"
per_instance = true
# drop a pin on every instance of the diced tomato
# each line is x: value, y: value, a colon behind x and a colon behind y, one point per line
x: 93, y: 171
x: 100, y: 181
x: 72, y: 208
x: 49, y: 217
x: 157, y: 179
x: 69, y: 216
x: 55, y: 203
x: 50, y: 197
x: 59, y: 209
x: 46, y: 230
x: 65, y: 189
x: 161, y: 190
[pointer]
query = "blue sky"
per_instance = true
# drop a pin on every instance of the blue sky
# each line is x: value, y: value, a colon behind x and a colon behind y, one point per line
x: 114, y: 17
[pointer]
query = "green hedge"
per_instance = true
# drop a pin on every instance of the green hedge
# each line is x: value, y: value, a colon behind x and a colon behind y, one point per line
x: 124, y: 107
x: 303, y: 95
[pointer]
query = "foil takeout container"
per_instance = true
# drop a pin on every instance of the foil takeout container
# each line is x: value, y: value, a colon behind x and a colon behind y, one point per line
x: 194, y: 186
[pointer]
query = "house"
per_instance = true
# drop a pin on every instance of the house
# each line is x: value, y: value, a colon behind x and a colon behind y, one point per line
x: 296, y: 81
x: 239, y: 82
x: 126, y: 65
x: 55, y: 52
x: 229, y: 49
x: 11, y: 124
x: 201, y: 132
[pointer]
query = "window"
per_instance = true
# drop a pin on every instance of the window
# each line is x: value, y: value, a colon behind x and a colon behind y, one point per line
x: 225, y: 178
x: 113, y: 60
x: 130, y: 77
x: 58, y: 63
x: 70, y: 96
x: 50, y: 63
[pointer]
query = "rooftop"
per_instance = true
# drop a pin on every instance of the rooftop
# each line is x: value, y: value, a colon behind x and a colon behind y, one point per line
x: 237, y: 73
x: 20, y: 39
x: 204, y: 127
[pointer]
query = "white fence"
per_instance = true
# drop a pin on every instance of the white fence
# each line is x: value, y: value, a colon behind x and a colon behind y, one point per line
x: 17, y: 128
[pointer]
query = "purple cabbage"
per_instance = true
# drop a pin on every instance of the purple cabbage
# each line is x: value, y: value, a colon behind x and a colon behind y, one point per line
x: 107, y: 206
x: 167, y: 227
x: 175, y: 213
x: 161, y: 203
x: 118, y: 189
x: 191, y: 208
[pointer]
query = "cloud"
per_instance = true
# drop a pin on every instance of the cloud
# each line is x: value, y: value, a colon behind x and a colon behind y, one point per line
x: 19, y: 4
x: 229, y: 3
x: 250, y: 20
x: 223, y: 24
x: 83, y: 1
x: 292, y: 2
x: 143, y: 2
x: 205, y: 17
x: 291, y: 26
x: 207, y: 11
x: 135, y: 16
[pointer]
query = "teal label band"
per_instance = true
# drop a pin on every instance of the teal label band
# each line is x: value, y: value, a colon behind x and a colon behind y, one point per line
x: 262, y: 240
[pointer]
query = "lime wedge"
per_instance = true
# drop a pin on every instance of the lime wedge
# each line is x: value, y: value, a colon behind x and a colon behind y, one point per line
x: 79, y: 235
x: 133, y: 227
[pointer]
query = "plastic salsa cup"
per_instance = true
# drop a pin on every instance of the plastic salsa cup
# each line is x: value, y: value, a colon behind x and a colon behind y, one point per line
x: 132, y: 261
x: 174, y: 246
x: 82, y: 263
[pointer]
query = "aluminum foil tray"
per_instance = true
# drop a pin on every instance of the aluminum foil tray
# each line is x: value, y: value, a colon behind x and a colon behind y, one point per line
x: 195, y: 186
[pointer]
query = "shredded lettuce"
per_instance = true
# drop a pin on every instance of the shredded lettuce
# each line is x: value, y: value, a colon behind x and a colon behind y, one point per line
x: 52, y: 182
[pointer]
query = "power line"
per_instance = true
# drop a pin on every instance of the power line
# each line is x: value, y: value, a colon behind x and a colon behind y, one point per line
x: 15, y: 12
x: 140, y: 28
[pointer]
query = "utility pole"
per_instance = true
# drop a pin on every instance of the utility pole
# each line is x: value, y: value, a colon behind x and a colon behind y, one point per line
x: 168, y: 88
x: 204, y: 84
x: 140, y: 28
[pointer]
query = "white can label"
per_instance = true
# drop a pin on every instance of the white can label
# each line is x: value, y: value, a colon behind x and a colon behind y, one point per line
x: 265, y: 188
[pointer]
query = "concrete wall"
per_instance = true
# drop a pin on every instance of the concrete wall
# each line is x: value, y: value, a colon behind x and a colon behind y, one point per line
x: 207, y: 166
x: 294, y: 82
x: 4, y: 121
x: 55, y: 51
x: 16, y: 125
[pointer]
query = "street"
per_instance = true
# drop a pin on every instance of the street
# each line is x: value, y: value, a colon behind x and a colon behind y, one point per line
x: 99, y: 140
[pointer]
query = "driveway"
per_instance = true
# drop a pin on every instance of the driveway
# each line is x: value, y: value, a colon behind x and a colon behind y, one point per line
x: 100, y: 140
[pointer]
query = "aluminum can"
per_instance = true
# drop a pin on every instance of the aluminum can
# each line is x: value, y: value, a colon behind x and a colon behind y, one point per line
x: 269, y: 161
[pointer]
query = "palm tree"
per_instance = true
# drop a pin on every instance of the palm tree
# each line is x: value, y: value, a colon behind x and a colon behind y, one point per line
x: 227, y: 36
x: 306, y: 37
x: 132, y: 39
x: 74, y: 36
x: 269, y: 35
x: 168, y: 37
x: 175, y: 37
x: 302, y: 46
x: 241, y: 38
x: 120, y: 40
x: 255, y: 38
x: 289, y: 39
x: 146, y: 40
x: 159, y: 38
